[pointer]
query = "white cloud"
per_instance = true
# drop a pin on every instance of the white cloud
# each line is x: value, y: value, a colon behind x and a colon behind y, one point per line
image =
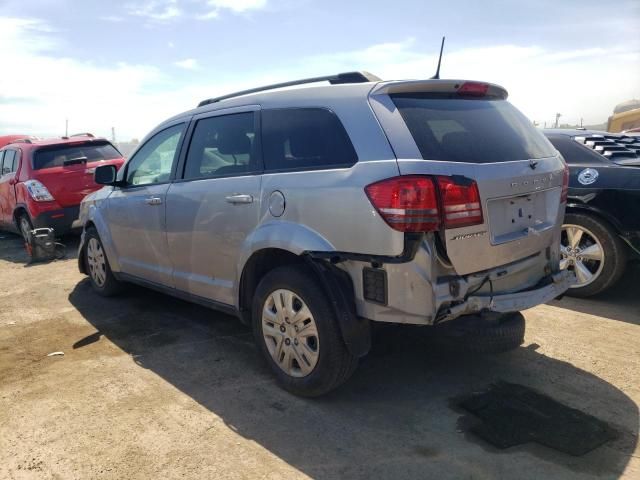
x: 237, y: 6
x: 583, y: 83
x: 134, y: 98
x: 187, y: 64
x: 210, y: 15
x: 167, y: 10
x: 51, y: 88
x: 112, y: 18
x: 156, y: 10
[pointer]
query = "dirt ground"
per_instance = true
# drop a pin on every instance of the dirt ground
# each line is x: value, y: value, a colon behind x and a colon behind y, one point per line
x: 153, y: 387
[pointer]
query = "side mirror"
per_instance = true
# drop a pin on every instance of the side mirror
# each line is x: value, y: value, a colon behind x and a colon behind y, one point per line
x: 105, y: 175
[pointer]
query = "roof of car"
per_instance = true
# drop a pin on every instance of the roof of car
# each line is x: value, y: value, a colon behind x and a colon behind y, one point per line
x: 288, y: 95
x: 306, y: 93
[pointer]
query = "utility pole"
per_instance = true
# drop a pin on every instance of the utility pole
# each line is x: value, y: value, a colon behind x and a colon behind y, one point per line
x: 558, y: 115
x: 66, y: 127
x: 113, y: 134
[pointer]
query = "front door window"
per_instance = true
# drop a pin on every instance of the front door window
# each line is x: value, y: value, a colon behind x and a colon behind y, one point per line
x: 152, y: 163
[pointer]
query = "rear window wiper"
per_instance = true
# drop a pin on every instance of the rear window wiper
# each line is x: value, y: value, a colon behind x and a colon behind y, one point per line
x: 74, y: 161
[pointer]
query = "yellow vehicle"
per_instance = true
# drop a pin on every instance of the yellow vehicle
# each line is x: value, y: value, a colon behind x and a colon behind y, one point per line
x: 626, y: 116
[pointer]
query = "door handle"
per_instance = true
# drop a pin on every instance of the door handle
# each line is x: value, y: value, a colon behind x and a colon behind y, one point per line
x: 239, y: 198
x: 153, y: 201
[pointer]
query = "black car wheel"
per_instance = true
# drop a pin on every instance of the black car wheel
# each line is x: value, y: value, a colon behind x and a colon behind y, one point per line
x: 591, y: 248
x: 25, y: 227
x: 97, y: 266
x: 296, y: 329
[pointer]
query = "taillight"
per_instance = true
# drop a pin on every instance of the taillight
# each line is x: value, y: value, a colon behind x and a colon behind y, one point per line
x: 407, y: 204
x: 473, y: 89
x: 460, y: 202
x: 565, y: 184
x: 414, y: 203
x: 38, y: 191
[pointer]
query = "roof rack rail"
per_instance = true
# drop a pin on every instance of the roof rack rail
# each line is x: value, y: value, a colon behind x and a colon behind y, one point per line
x: 20, y: 140
x: 340, y: 78
x: 84, y: 134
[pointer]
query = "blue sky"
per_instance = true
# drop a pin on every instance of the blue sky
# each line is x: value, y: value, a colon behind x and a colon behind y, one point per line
x: 130, y: 64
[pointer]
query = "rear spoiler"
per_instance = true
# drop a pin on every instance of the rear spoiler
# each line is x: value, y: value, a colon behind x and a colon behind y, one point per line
x: 438, y: 86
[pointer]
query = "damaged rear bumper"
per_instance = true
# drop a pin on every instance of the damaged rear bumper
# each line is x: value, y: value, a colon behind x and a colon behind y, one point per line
x: 511, y: 302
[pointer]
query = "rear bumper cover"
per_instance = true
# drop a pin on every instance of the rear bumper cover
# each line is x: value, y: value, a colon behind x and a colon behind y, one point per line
x: 61, y: 220
x: 512, y: 302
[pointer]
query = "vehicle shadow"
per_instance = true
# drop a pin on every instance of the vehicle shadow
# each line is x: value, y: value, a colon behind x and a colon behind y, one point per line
x: 393, y: 419
x: 12, y: 248
x: 621, y: 302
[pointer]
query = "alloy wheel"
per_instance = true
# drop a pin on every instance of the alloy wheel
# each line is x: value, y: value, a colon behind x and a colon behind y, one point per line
x: 290, y: 333
x: 96, y: 262
x: 582, y: 253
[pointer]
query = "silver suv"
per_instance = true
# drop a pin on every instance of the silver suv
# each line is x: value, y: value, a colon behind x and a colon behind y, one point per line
x: 310, y: 213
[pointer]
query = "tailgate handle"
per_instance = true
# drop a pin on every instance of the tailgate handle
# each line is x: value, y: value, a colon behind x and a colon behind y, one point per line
x: 153, y: 201
x: 239, y: 198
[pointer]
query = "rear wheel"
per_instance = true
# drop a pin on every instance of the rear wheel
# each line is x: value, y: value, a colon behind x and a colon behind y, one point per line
x: 24, y: 223
x: 593, y: 251
x: 97, y: 266
x: 297, y: 332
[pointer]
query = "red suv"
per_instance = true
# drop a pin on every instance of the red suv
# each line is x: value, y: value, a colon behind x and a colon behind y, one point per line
x: 42, y: 182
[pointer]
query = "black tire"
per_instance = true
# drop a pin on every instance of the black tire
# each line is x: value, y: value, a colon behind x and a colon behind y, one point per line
x: 24, y: 222
x: 111, y: 286
x: 335, y: 363
x: 615, y: 254
x: 475, y: 335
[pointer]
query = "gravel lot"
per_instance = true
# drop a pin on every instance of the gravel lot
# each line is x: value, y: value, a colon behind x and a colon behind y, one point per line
x: 152, y: 387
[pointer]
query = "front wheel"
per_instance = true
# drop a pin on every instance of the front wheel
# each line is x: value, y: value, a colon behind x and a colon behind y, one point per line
x: 297, y: 332
x: 97, y: 266
x: 593, y: 251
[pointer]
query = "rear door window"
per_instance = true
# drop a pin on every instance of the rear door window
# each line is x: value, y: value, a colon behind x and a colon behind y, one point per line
x: 305, y: 139
x: 470, y: 130
x: 61, y: 155
x: 223, y: 146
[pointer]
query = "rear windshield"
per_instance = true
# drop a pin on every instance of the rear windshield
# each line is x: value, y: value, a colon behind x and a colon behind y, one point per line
x: 60, y: 155
x: 470, y: 130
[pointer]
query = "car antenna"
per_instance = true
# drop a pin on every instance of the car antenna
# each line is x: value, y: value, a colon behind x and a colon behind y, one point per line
x: 437, y: 75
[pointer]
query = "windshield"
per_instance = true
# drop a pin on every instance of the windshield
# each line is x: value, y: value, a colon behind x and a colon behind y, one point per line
x: 470, y: 130
x: 59, y: 155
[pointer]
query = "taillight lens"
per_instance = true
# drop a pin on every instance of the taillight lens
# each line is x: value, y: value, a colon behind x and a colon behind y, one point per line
x: 460, y: 202
x: 38, y: 191
x: 407, y: 204
x: 565, y: 184
x: 414, y: 203
x: 473, y: 89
